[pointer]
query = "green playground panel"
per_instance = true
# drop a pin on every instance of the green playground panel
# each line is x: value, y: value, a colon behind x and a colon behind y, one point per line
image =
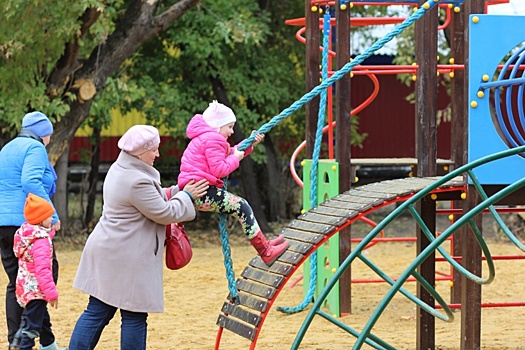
x: 328, y: 253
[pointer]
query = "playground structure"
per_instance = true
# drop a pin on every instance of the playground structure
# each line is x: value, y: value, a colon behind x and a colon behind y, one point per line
x: 479, y: 180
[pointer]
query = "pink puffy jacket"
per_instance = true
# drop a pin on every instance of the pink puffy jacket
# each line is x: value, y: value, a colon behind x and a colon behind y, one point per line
x: 208, y: 155
x: 34, y: 250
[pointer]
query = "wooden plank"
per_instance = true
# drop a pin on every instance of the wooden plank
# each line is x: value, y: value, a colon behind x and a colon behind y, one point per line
x: 237, y: 327
x: 288, y: 257
x: 355, y: 197
x: 242, y: 314
x: 302, y: 236
x: 299, y: 247
x: 262, y: 277
x: 323, y: 219
x: 333, y: 203
x: 250, y: 301
x: 394, y: 161
x: 291, y: 257
x: 344, y: 213
x: 378, y: 196
x: 277, y: 267
x: 256, y: 288
x: 311, y: 226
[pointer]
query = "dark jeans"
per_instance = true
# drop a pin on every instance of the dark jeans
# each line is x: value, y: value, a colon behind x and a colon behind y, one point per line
x: 13, y: 311
x: 38, y: 324
x: 94, y: 319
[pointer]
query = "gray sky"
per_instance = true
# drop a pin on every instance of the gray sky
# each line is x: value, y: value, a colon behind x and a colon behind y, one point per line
x: 514, y: 7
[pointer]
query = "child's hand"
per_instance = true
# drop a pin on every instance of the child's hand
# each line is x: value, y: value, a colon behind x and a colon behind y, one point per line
x: 258, y: 138
x: 54, y: 303
x: 238, y: 154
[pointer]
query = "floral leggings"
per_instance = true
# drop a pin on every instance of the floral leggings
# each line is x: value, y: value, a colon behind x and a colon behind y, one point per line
x: 218, y: 200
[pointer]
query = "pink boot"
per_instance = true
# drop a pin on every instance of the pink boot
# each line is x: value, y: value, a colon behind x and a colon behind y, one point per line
x: 277, y: 240
x: 267, y: 252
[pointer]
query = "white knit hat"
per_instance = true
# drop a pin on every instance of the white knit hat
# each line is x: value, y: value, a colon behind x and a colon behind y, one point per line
x: 217, y: 115
x: 139, y: 139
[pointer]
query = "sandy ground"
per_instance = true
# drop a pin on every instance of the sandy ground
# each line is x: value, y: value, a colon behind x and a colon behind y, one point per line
x: 194, y: 296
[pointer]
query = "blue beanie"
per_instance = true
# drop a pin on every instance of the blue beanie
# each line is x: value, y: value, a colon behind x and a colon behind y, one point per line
x: 38, y: 123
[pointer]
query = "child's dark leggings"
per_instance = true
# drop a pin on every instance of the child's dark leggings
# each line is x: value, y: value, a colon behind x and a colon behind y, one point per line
x: 218, y: 200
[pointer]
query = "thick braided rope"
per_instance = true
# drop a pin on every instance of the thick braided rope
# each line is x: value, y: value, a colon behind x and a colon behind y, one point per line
x: 265, y: 128
x: 315, y: 165
x: 226, y: 251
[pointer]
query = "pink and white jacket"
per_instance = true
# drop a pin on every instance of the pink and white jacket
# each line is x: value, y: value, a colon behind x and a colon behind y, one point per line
x: 34, y: 249
x: 208, y: 155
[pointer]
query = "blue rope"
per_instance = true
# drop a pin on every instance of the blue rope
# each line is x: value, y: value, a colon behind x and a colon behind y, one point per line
x: 265, y: 128
x: 315, y: 165
x: 228, y: 263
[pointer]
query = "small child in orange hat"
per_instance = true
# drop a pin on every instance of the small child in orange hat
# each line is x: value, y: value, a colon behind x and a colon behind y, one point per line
x: 35, y: 287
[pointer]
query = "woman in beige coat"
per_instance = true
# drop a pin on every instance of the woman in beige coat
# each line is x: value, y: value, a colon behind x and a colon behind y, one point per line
x: 122, y: 262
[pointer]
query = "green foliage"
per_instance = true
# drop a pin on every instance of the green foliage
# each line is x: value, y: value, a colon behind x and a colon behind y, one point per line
x: 248, y: 53
x: 32, y: 39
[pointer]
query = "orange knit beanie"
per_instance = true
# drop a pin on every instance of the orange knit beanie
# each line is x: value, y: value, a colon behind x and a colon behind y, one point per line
x: 37, y: 209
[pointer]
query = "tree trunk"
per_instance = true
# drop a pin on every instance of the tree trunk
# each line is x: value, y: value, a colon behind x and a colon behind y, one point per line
x: 93, y: 179
x: 274, y: 183
x: 60, y: 197
x: 72, y: 75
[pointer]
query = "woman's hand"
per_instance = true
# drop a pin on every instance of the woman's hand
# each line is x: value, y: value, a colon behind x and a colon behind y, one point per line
x: 197, y: 189
x: 258, y: 138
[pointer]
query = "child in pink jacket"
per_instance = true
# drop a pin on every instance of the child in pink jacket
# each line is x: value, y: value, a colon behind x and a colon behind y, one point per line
x: 209, y: 156
x: 35, y: 286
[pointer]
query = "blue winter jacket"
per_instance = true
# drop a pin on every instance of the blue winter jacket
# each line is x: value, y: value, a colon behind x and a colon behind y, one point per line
x: 24, y: 168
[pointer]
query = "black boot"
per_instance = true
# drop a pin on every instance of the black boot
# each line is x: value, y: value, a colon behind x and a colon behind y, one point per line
x: 15, y: 344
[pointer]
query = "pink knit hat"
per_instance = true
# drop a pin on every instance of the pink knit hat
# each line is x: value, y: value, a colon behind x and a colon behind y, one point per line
x: 217, y: 115
x: 139, y: 139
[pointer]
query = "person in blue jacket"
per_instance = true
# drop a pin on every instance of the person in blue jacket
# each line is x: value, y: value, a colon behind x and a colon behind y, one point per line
x: 25, y: 168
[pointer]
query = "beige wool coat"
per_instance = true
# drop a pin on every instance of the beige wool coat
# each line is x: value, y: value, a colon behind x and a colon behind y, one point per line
x: 122, y: 260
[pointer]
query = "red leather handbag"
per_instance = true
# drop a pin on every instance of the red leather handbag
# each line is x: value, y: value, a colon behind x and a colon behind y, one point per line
x: 178, y: 247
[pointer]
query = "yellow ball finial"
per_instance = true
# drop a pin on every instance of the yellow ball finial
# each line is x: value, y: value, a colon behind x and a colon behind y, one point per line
x: 450, y: 217
x: 451, y: 284
x: 473, y: 104
x: 414, y: 77
x: 485, y: 77
x: 351, y: 74
x: 451, y: 74
x: 426, y: 5
x: 451, y: 60
x: 445, y: 167
x: 463, y: 195
x: 334, y: 168
x: 433, y: 196
x: 475, y: 19
x: 356, y: 179
x: 313, y: 9
x: 334, y: 269
x: 481, y: 94
x: 303, y: 211
x: 303, y: 163
x: 457, y: 9
x: 343, y: 7
x: 351, y: 5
